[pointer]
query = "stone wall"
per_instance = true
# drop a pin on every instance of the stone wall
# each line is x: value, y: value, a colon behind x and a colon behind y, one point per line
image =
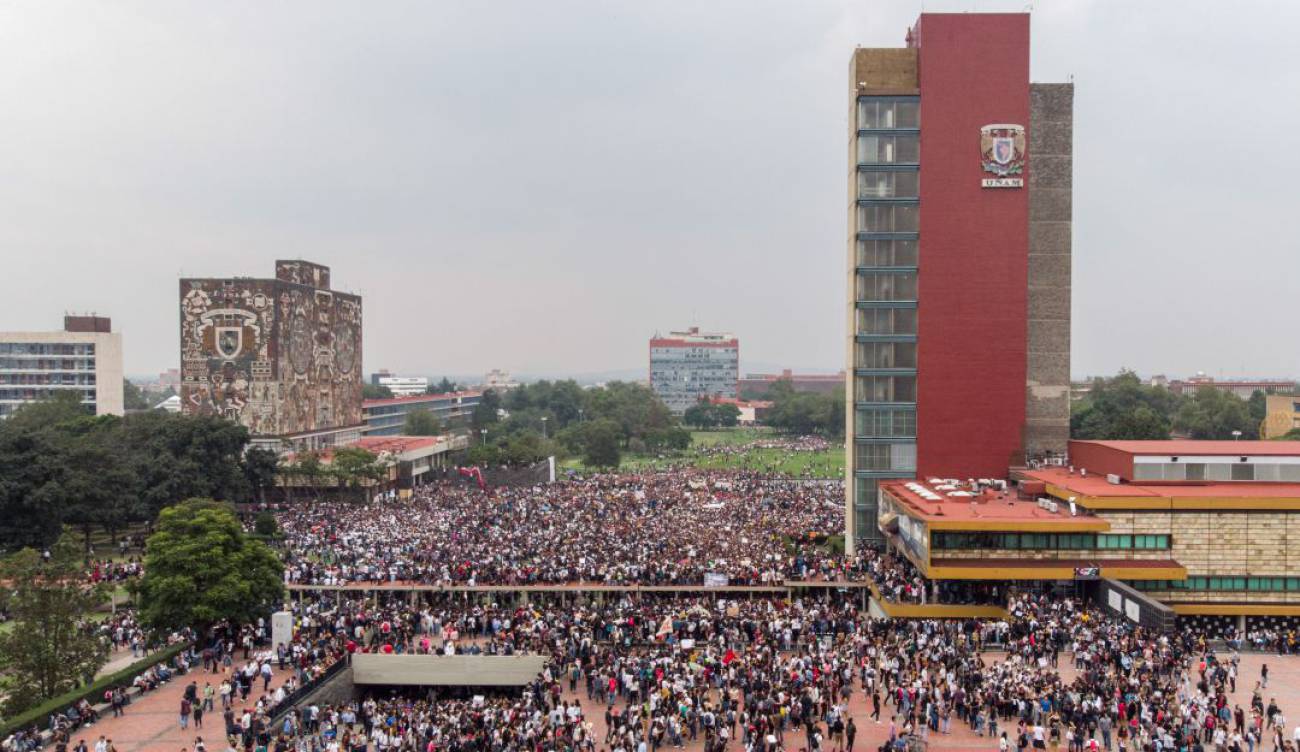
x: 1051, y: 174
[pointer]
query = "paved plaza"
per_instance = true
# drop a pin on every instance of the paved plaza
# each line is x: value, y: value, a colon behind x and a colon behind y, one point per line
x: 151, y: 723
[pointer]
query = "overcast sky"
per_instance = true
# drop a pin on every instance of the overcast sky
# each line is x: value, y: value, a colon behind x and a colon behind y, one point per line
x: 540, y: 186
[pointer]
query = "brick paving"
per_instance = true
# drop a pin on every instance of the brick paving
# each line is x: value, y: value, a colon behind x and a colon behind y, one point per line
x: 151, y: 723
x: 152, y: 720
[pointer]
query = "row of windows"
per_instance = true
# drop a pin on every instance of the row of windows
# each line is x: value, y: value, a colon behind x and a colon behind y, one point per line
x: 887, y: 321
x: 886, y: 253
x: 46, y: 364
x: 889, y: 423
x: 879, y: 112
x: 1264, y: 471
x: 885, y: 355
x: 28, y: 394
x: 44, y: 379
x: 45, y: 348
x: 885, y: 389
x: 888, y: 218
x: 878, y: 457
x: 1047, y: 541
x: 902, y: 148
x: 889, y: 184
x: 1257, y: 584
x: 886, y: 287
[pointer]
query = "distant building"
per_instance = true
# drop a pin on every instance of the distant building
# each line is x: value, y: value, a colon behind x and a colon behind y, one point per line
x: 387, y: 417
x: 1281, y: 415
x: 172, y: 404
x: 85, y: 359
x: 751, y: 411
x: 755, y: 385
x: 499, y: 380
x: 171, y: 378
x: 685, y: 366
x: 400, y: 386
x: 279, y: 356
x: 1242, y: 388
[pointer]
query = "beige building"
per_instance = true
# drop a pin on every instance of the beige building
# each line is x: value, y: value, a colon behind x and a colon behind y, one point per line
x: 85, y: 359
x: 1281, y: 415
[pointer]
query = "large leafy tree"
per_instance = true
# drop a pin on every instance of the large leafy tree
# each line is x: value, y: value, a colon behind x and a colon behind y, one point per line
x: 48, y: 650
x: 202, y: 569
x: 421, y: 422
x: 31, y: 511
x: 1123, y: 407
x: 261, y: 467
x: 601, y: 444
x: 357, y: 469
x: 1214, y: 414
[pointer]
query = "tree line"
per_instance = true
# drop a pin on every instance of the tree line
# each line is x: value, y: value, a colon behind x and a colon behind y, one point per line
x: 561, y: 418
x: 1123, y: 407
x: 60, y: 466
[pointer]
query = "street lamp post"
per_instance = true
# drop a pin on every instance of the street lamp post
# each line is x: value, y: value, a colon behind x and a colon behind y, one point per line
x: 483, y: 432
x: 543, y: 426
x: 1236, y: 435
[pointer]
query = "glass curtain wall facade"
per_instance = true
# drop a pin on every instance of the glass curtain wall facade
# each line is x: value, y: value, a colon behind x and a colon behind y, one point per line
x: 886, y: 210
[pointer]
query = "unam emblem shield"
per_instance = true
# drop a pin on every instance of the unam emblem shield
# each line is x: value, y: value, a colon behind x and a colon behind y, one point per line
x: 1002, y: 149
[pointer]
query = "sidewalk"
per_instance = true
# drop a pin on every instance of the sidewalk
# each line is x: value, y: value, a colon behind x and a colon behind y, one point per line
x: 152, y: 720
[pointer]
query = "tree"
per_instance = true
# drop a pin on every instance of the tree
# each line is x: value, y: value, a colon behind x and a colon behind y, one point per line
x: 485, y: 412
x: 31, y: 502
x: 443, y: 387
x: 421, y: 422
x: 601, y: 444
x: 48, y: 651
x: 1292, y: 435
x: 311, y: 470
x: 97, y: 486
x: 133, y: 398
x: 202, y: 569
x: 375, y: 391
x: 700, y: 415
x: 1214, y: 414
x: 726, y: 415
x: 1113, y: 409
x: 261, y: 466
x: 357, y: 469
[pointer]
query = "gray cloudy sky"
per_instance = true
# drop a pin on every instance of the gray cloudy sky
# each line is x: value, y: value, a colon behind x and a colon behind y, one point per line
x: 541, y: 185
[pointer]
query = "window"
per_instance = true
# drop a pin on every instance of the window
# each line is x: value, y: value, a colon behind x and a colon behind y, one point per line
x: 1243, y: 471
x: 882, y: 184
x: 885, y: 389
x: 882, y: 112
x: 886, y: 287
x: 902, y: 148
x: 887, y: 423
x: 887, y: 321
x: 886, y: 253
x: 1196, y: 471
x: 887, y: 218
x: 886, y: 355
x: 880, y: 457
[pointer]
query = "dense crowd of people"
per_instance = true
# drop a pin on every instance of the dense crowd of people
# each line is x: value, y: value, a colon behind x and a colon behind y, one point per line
x: 637, y: 672
x: 663, y: 528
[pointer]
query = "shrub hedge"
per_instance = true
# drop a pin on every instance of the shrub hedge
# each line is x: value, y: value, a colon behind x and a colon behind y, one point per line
x: 93, y: 692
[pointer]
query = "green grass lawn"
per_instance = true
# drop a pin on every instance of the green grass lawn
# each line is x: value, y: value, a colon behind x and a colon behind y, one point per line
x: 824, y: 464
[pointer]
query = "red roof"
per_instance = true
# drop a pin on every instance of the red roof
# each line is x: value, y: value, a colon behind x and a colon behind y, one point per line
x: 1194, y: 447
x: 1097, y: 486
x: 417, y: 398
x: 395, y: 444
